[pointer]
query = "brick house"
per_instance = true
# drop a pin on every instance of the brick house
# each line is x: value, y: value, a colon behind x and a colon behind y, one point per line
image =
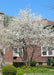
x: 16, y: 56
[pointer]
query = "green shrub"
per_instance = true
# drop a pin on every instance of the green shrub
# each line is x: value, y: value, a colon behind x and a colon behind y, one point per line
x: 46, y: 66
x: 17, y: 64
x: 9, y: 70
x: 33, y: 63
x: 27, y: 62
x: 22, y: 71
x: 53, y: 61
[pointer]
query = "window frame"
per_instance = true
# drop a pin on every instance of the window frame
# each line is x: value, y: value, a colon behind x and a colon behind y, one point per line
x: 47, y: 53
x: 18, y: 53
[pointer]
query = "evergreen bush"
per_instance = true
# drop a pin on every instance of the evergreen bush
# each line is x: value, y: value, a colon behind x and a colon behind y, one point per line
x: 53, y: 61
x: 33, y: 63
x: 9, y: 70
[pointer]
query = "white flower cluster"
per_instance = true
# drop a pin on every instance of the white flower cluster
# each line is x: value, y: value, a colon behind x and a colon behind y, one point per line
x: 27, y: 26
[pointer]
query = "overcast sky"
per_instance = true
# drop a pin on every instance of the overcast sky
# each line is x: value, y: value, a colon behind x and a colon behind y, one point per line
x: 43, y: 7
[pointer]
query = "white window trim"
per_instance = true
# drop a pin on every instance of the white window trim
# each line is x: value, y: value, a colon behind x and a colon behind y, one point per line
x: 47, y: 53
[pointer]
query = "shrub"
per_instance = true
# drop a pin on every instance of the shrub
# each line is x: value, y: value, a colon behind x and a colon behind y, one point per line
x: 46, y: 66
x: 9, y: 70
x: 28, y: 62
x: 33, y: 63
x: 17, y: 64
x: 53, y: 61
x: 22, y: 71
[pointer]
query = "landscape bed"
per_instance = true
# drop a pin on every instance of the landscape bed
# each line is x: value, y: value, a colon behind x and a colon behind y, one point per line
x: 41, y: 70
x: 34, y: 71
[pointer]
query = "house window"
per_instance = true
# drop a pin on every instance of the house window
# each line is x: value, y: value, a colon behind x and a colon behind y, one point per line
x: 44, y: 53
x: 50, y: 51
x: 44, y: 50
x: 18, y: 52
x: 47, y: 51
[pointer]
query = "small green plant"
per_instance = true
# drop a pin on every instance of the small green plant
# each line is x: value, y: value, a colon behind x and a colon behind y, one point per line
x: 33, y: 63
x: 28, y: 63
x: 53, y: 61
x: 9, y: 70
x: 17, y: 64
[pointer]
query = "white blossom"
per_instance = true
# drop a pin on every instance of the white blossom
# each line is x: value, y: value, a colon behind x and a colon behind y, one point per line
x: 27, y: 26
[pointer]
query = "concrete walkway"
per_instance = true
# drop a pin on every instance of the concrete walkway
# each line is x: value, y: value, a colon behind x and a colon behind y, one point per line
x: 0, y: 73
x: 51, y: 69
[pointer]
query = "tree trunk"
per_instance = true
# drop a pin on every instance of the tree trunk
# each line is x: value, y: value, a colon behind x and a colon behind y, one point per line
x: 1, y: 59
x: 3, y: 64
x: 32, y: 54
x: 25, y: 55
x: 25, y: 51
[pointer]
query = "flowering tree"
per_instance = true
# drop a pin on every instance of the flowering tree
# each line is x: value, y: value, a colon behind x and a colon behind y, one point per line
x: 25, y: 30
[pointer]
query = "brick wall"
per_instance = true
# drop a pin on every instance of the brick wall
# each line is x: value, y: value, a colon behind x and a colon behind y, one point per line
x: 37, y: 56
x: 8, y: 57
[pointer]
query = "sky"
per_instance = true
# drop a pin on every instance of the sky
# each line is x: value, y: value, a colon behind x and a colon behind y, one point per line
x: 39, y: 7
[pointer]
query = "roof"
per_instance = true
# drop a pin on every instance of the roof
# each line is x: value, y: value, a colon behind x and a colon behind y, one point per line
x: 1, y: 13
x: 49, y: 22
